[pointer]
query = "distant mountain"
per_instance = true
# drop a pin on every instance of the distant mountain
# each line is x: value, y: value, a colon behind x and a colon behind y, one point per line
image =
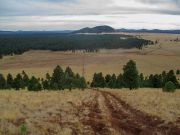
x: 33, y: 32
x: 148, y: 31
x: 97, y: 29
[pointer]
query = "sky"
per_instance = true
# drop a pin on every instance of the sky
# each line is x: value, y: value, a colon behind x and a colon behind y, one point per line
x: 76, y: 14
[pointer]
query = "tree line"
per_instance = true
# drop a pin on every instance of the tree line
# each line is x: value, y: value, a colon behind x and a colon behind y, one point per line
x: 18, y: 44
x: 132, y: 79
x: 66, y: 79
x: 59, y: 80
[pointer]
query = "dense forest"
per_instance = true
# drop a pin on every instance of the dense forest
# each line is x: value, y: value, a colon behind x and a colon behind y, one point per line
x: 18, y: 44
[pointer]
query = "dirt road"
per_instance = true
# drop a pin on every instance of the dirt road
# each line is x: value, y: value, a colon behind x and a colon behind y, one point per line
x: 109, y: 115
x: 90, y: 112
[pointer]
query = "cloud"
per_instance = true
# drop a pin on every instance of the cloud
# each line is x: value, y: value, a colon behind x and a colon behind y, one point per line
x: 73, y: 14
x: 137, y: 21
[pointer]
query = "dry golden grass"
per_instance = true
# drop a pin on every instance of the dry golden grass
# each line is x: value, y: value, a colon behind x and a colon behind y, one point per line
x: 64, y: 112
x: 152, y: 101
x: 41, y: 111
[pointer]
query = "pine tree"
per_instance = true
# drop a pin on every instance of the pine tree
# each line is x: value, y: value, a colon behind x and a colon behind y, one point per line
x: 68, y: 81
x: 83, y: 84
x: 141, y: 80
x: 164, y: 74
x: 172, y: 77
x: 18, y: 82
x: 130, y: 75
x: 10, y: 81
x: 57, y: 78
x: 1, y: 56
x: 98, y: 80
x: 119, y: 81
x: 34, y: 84
x: 112, y: 82
x: 2, y: 82
x: 25, y: 79
x: 107, y: 79
x: 177, y: 72
x: 69, y: 72
x: 45, y: 84
x: 157, y: 81
x: 48, y: 77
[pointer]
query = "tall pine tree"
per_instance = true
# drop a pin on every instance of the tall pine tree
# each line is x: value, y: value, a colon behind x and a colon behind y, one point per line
x: 130, y: 75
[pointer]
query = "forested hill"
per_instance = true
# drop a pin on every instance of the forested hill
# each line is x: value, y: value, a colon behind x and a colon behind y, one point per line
x: 97, y: 29
x: 18, y: 44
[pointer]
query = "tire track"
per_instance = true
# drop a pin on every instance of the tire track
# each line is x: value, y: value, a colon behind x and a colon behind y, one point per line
x: 93, y: 118
x: 129, y: 121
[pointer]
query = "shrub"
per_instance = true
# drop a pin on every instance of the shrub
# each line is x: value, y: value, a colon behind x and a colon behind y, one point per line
x: 23, y: 129
x: 169, y: 87
x: 178, y: 72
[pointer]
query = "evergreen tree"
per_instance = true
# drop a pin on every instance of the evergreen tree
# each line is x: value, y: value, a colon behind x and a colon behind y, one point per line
x: 107, y: 79
x: 178, y: 72
x: 76, y: 81
x: 2, y: 82
x: 57, y: 78
x: 25, y: 79
x: 150, y: 81
x: 169, y: 87
x: 141, y: 80
x: 112, y: 82
x: 146, y: 82
x: 10, y: 81
x: 172, y: 77
x: 68, y: 81
x: 164, y: 74
x: 119, y: 81
x: 18, y: 82
x: 157, y: 81
x: 45, y: 84
x: 98, y: 80
x: 34, y: 84
x: 1, y: 56
x: 83, y: 84
x: 130, y: 75
x: 69, y: 72
x: 48, y: 77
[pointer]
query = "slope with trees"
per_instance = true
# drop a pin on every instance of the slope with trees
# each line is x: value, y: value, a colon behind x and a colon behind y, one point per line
x: 18, y: 44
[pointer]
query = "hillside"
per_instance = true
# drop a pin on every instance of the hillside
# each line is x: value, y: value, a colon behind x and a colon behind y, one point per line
x: 148, y: 31
x: 18, y: 44
x: 97, y: 29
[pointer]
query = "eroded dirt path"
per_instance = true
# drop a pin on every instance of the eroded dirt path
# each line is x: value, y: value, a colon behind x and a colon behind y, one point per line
x: 126, y: 120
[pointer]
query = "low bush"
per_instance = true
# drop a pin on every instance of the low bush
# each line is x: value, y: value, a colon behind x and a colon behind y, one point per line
x: 169, y: 87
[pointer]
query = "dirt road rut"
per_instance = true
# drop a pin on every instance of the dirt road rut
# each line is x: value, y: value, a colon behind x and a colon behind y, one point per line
x: 109, y: 115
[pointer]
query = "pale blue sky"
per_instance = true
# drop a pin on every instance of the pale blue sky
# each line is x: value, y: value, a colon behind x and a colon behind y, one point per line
x: 75, y: 14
